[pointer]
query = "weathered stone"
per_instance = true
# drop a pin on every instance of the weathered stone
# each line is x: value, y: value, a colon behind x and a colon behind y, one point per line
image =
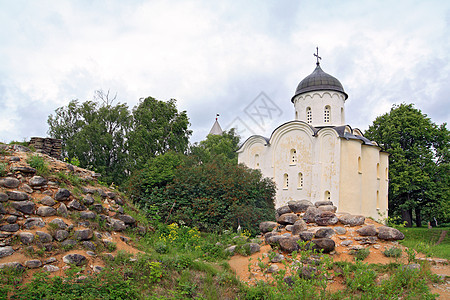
x: 366, y: 240
x: 119, y: 201
x: 120, y: 210
x: 11, y: 219
x: 299, y: 206
x: 274, y: 240
x: 352, y: 220
x: 369, y: 230
x: 83, y: 234
x: 324, y: 244
x: 33, y: 264
x: 327, y: 208
x: 102, y: 193
x: 46, y: 211
x: 26, y: 207
x: 324, y: 233
x: 273, y: 269
x: 288, y: 218
x: 25, y: 170
x: 310, y: 214
x: 111, y: 195
x: 389, y: 233
x: 43, y: 237
x: 308, y: 272
x: 277, y: 258
x: 87, y: 215
x: 127, y: 219
x: 289, y: 244
x: 340, y: 230
x: 30, y: 223
x: 283, y: 210
x: 69, y: 243
x: 50, y: 260
x: 14, y: 158
x: 6, y: 251
x: 26, y: 188
x: 230, y: 250
x: 62, y: 210
x: 346, y: 243
x: 306, y: 235
x: 61, y: 235
x: 3, y: 197
x: 321, y: 203
x: 88, y: 200
x: 288, y: 228
x: 75, y: 205
x: 89, y: 245
x: 97, y: 208
x: 10, y: 227
x: 47, y: 200
x: 326, y: 218
x: 97, y: 269
x: 17, y: 195
x: 50, y: 268
x: 37, y: 181
x: 252, y: 247
x: 87, y: 190
x: 9, y: 182
x: 62, y: 194
x: 117, y: 225
x: 13, y: 265
x: 298, y: 227
x: 60, y: 223
x: 267, y: 226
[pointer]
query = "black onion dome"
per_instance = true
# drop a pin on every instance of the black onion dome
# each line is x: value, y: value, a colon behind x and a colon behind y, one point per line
x: 319, y: 81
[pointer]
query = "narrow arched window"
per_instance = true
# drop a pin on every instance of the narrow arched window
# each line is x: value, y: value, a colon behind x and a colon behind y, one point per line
x: 387, y: 174
x: 308, y: 115
x: 256, y: 161
x: 342, y: 116
x: 286, y: 181
x: 327, y: 196
x: 296, y: 115
x: 378, y: 199
x: 359, y: 165
x: 300, y: 180
x: 326, y: 114
x: 293, y: 157
x: 378, y: 170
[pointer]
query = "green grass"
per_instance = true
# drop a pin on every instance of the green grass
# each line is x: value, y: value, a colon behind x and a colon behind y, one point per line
x: 39, y: 163
x: 424, y: 240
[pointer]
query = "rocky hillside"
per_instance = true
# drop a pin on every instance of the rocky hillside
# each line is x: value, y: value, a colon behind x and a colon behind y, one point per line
x: 53, y: 214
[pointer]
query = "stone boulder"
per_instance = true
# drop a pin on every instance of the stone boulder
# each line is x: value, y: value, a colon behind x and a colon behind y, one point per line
x: 30, y: 223
x: 9, y: 182
x: 43, y: 237
x: 322, y: 203
x: 326, y: 232
x: 390, y: 234
x: 13, y: 265
x: 127, y: 219
x: 3, y: 197
x: 17, y: 195
x: 369, y: 230
x: 299, y: 206
x: 61, y: 235
x: 324, y: 244
x: 352, y: 220
x: 340, y: 230
x: 75, y: 259
x: 87, y: 215
x: 289, y: 244
x: 88, y: 200
x: 62, y: 194
x: 267, y: 226
x: 286, y: 219
x: 36, y: 181
x: 24, y: 170
x: 33, y: 264
x: 6, y: 251
x: 252, y: 247
x: 10, y: 227
x: 26, y: 188
x: 327, y: 208
x: 299, y: 226
x: 75, y: 205
x: 60, y: 223
x: 274, y: 240
x: 117, y: 225
x: 26, y: 207
x: 326, y: 218
x: 47, y: 200
x: 62, y: 210
x: 46, y: 211
x: 306, y: 235
x: 83, y: 234
x: 283, y: 210
x: 311, y: 214
x: 26, y: 238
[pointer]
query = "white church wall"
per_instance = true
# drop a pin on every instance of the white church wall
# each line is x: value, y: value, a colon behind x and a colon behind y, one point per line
x: 382, y: 207
x: 370, y: 184
x: 350, y: 193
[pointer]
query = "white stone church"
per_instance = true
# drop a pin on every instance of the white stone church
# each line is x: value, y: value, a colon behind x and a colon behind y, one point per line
x: 318, y: 157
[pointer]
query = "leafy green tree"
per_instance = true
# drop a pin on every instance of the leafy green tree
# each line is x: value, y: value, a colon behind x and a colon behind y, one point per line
x: 157, y: 127
x: 418, y: 162
x: 222, y: 147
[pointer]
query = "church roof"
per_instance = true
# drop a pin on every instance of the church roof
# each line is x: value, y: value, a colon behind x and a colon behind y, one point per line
x: 318, y: 80
x: 216, y: 129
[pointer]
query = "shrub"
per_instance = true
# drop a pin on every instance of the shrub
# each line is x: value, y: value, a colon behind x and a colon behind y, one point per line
x: 39, y: 164
x: 361, y: 254
x: 393, y: 252
x: 2, y: 169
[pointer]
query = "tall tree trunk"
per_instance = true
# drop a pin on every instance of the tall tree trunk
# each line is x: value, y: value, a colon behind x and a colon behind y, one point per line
x: 418, y: 217
x: 407, y: 217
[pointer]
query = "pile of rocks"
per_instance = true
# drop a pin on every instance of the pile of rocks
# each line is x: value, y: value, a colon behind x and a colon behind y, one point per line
x: 39, y: 216
x: 49, y: 146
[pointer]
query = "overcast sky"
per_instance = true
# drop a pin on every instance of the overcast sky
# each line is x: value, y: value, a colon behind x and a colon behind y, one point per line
x: 226, y: 57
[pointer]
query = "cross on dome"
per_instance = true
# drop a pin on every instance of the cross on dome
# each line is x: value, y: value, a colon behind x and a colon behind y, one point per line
x: 317, y: 56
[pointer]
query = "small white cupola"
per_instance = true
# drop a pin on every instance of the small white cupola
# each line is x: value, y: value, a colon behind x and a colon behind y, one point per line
x: 216, y: 129
x: 319, y: 99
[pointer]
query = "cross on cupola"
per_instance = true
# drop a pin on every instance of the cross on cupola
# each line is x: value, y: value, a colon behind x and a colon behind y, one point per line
x: 317, y: 55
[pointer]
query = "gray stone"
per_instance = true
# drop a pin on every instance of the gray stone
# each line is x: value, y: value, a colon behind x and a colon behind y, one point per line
x: 369, y: 230
x: 267, y: 226
x: 11, y: 219
x: 87, y: 215
x: 324, y: 233
x: 61, y: 235
x: 299, y: 206
x: 2, y: 209
x: 17, y: 195
x: 120, y: 210
x: 89, y: 245
x: 289, y: 227
x: 322, y: 203
x: 33, y: 264
x: 273, y: 269
x: 50, y: 268
x: 306, y: 235
x: 324, y: 244
x: 340, y: 230
x: 46, y: 211
x: 97, y: 208
x: 274, y: 240
x: 61, y: 224
x: 277, y: 258
x: 283, y: 210
x: 69, y: 243
x: 88, y: 200
x: 47, y: 200
x: 10, y: 227
x: 37, y: 181
x: 26, y: 207
x: 97, y: 269
x: 25, y: 170
x: 6, y: 251
x: 3, y: 197
x: 9, y: 182
x: 111, y: 195
x: 14, y: 158
x: 326, y: 218
x: 62, y: 195
x: 289, y: 244
x: 102, y: 193
x: 127, y: 219
x: 389, y: 233
x: 252, y: 247
x: 366, y: 240
x: 87, y: 190
x: 298, y: 227
x: 30, y: 223
x: 310, y: 214
x: 26, y: 188
x: 288, y: 218
x: 90, y: 253
x: 50, y: 260
x: 62, y: 210
x: 75, y: 205
x: 43, y: 237
x: 117, y: 225
x: 83, y: 234
x: 119, y: 201
x: 346, y: 243
x: 327, y: 208
x: 352, y: 220
x: 411, y: 267
x: 48, y: 192
x: 308, y: 272
x: 13, y: 265
x: 230, y: 250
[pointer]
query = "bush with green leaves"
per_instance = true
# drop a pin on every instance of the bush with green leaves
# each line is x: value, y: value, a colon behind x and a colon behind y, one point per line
x: 39, y: 163
x: 393, y: 252
x: 2, y: 169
